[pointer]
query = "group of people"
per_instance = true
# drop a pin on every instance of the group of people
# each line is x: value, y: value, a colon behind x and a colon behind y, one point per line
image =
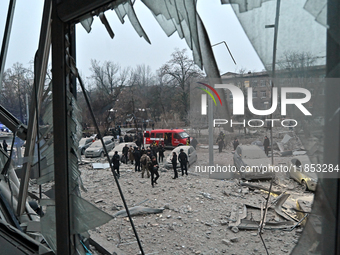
x: 183, y: 160
x: 116, y: 132
x: 146, y: 161
x: 138, y: 138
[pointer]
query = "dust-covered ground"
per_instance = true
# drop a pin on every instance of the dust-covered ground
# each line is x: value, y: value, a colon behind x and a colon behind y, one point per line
x: 197, y: 210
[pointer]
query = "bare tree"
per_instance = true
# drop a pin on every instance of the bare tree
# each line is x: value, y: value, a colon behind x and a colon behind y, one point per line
x: 109, y: 77
x: 143, y: 76
x: 17, y: 86
x: 179, y: 72
x: 298, y: 64
x: 109, y: 80
x: 136, y: 94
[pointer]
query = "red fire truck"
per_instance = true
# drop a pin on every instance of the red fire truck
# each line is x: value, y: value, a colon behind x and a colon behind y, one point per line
x: 168, y: 137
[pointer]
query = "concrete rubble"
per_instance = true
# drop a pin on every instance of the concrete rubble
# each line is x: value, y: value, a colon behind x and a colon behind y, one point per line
x: 195, y: 214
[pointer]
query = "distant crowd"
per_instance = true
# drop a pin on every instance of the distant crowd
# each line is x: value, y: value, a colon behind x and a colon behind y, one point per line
x: 145, y: 160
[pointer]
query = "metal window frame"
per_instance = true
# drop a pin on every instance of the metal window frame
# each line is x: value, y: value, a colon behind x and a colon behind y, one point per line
x: 66, y: 13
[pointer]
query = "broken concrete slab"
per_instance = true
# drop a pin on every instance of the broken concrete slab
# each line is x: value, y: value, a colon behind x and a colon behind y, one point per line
x: 297, y: 153
x: 303, y: 206
x: 215, y: 147
x: 237, y: 214
x: 259, y: 187
x: 100, y: 165
x: 278, y: 208
x: 286, y: 138
x: 254, y: 225
x: 281, y: 147
x: 139, y: 210
x: 286, y: 153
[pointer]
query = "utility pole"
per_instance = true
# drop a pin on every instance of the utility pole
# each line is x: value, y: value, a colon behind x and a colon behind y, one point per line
x: 211, y: 131
x: 276, y: 29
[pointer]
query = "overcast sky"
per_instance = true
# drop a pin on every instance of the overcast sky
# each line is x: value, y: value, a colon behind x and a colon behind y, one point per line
x: 127, y: 48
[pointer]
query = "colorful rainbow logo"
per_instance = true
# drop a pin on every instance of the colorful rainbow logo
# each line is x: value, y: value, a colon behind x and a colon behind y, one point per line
x: 209, y: 93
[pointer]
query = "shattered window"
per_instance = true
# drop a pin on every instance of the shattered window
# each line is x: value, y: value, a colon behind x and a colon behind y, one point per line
x: 233, y: 207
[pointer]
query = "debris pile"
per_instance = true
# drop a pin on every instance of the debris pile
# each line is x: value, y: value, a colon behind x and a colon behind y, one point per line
x: 196, y: 215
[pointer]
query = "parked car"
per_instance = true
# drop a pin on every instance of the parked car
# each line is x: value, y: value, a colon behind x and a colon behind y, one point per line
x: 119, y: 148
x: 84, y: 143
x: 96, y: 149
x: 252, y: 163
x: 188, y: 149
x: 307, y: 179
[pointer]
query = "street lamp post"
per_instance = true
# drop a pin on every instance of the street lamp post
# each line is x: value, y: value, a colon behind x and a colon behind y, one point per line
x: 141, y: 110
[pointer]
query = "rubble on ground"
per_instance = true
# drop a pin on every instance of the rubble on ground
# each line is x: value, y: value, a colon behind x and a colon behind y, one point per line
x: 197, y: 215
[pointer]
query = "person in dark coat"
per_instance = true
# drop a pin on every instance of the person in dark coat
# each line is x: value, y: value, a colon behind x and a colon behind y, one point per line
x: 154, y: 149
x: 220, y: 143
x: 174, y: 164
x: 138, y: 141
x: 4, y: 145
x: 149, y: 152
x: 137, y: 156
x: 115, y: 161
x: 183, y: 160
x: 235, y: 143
x: 140, y: 136
x: 126, y: 138
x: 194, y: 142
x: 125, y: 152
x: 266, y: 145
x: 160, y: 152
x: 153, y: 168
x: 113, y: 132
x: 121, y: 139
